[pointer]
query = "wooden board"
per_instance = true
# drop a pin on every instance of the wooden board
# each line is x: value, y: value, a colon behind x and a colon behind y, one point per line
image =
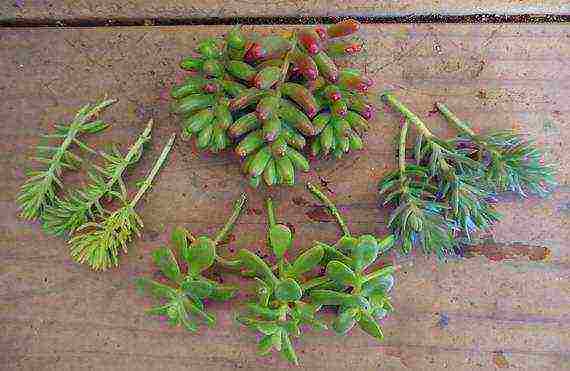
x: 504, y: 305
x: 34, y: 10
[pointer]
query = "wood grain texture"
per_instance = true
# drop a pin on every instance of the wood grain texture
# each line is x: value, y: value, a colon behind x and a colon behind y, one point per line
x: 178, y: 9
x: 472, y: 313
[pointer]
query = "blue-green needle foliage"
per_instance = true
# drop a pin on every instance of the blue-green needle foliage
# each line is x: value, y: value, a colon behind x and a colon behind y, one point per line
x: 512, y: 162
x: 441, y: 196
x: 99, y: 243
x: 280, y: 309
x: 182, y: 301
x: 81, y: 205
x: 39, y: 190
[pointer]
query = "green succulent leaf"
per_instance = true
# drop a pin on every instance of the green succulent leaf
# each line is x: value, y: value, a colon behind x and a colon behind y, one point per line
x: 223, y: 292
x: 378, y: 285
x: 346, y: 243
x: 287, y: 348
x: 258, y: 266
x: 158, y: 290
x: 180, y: 240
x: 368, y: 323
x: 164, y: 259
x: 280, y: 239
x: 306, y: 261
x: 197, y: 288
x: 200, y: 256
x: 288, y: 290
x: 341, y: 273
x: 365, y: 252
x: 344, y: 322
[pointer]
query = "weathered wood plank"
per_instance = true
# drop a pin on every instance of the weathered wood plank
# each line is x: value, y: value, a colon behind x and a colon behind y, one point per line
x: 37, y: 10
x: 481, y: 312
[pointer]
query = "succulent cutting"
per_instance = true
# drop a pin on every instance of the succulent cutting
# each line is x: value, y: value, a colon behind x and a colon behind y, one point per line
x: 266, y: 96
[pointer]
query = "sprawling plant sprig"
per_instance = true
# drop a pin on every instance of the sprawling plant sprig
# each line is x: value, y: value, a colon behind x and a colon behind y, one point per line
x: 512, y: 162
x: 266, y: 95
x: 280, y: 310
x: 360, y: 294
x: 441, y: 197
x: 98, y: 243
x: 40, y: 189
x: 69, y: 213
x: 186, y: 299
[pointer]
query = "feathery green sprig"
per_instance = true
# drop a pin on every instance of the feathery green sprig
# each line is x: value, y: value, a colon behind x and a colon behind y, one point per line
x: 99, y: 243
x: 186, y: 299
x: 71, y: 212
x: 512, y: 162
x: 40, y: 189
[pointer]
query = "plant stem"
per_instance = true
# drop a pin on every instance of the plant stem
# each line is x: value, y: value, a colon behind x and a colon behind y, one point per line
x: 409, y: 115
x: 238, y: 206
x: 402, y: 151
x: 454, y: 120
x: 150, y: 177
x: 318, y: 194
x: 317, y: 281
x: 270, y: 212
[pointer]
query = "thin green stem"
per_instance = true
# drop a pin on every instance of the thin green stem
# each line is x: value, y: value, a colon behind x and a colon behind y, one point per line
x: 409, y: 115
x: 317, y: 281
x: 158, y: 164
x: 454, y: 120
x: 270, y: 212
x: 238, y: 207
x: 402, y: 151
x: 318, y: 194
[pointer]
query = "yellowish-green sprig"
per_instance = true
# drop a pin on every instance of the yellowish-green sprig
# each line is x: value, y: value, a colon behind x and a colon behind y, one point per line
x: 40, y: 189
x: 98, y: 243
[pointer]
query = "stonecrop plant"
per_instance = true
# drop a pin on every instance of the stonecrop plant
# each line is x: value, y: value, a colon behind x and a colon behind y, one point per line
x: 289, y: 294
x: 448, y: 191
x: 266, y: 96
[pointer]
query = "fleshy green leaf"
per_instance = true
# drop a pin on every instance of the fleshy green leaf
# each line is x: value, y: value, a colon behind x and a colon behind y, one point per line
x: 197, y: 288
x: 378, y: 285
x: 370, y: 326
x: 288, y: 290
x: 200, y: 255
x: 329, y: 297
x: 287, y: 348
x: 263, y: 312
x: 346, y: 243
x: 257, y: 265
x: 180, y: 240
x: 306, y: 261
x: 341, y: 273
x: 265, y: 345
x: 280, y: 239
x: 164, y: 259
x: 267, y: 328
x: 344, y: 322
x: 365, y: 252
x: 154, y: 288
x: 223, y: 292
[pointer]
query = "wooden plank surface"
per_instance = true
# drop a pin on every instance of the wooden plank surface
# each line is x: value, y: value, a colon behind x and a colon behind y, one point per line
x: 176, y: 9
x: 505, y: 305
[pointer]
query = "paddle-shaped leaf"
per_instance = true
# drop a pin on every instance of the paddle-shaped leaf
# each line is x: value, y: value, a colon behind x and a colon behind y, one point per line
x: 306, y: 261
x: 346, y: 243
x: 368, y: 323
x: 158, y: 290
x: 378, y: 285
x: 164, y: 259
x: 341, y: 273
x: 365, y: 252
x: 344, y: 322
x: 288, y: 290
x: 200, y: 255
x: 197, y: 288
x: 258, y: 266
x: 280, y: 239
x: 180, y: 240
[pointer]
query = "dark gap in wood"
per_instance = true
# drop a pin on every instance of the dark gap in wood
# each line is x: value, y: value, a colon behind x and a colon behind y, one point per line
x: 289, y: 20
